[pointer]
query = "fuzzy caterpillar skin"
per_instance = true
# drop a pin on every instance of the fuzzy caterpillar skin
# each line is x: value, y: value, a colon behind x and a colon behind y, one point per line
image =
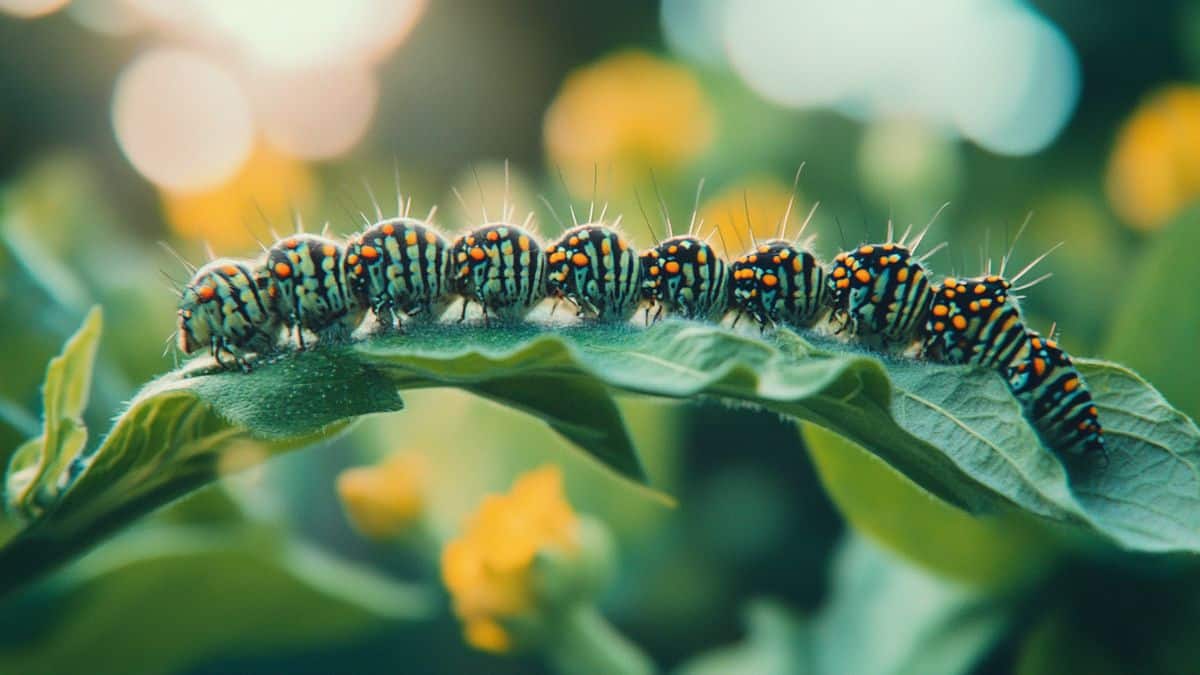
x: 502, y: 268
x: 594, y: 268
x: 880, y: 293
x: 687, y: 278
x: 310, y: 287
x: 228, y: 308
x: 399, y: 268
x: 780, y: 283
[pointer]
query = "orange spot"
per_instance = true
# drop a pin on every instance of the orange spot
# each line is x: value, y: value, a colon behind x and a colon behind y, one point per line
x: 283, y: 270
x: 471, y: 240
x: 702, y: 258
x: 798, y: 264
x: 672, y: 250
x: 291, y: 243
x: 1092, y: 411
x: 477, y: 254
x: 622, y: 244
x: 523, y: 243
x: 974, y: 306
x: 866, y: 250
x: 1039, y: 367
x: 752, y: 259
x: 574, y: 241
x: 770, y: 280
x: 1036, y: 342
x: 939, y: 326
x: 949, y: 293
x: 580, y: 259
x: 410, y: 238
x: 370, y: 252
x: 763, y: 249
x: 672, y: 267
x: 960, y: 322
x: 940, y: 310
x: 1071, y: 385
x: 358, y: 269
x: 950, y: 282
x: 883, y: 262
x: 352, y: 259
x: 889, y: 247
x: 902, y: 275
x: 493, y: 235
x: 863, y: 276
x: 229, y: 270
x: 558, y: 257
x: 843, y: 283
x: 464, y: 271
x: 389, y: 229
x: 1051, y: 344
x: 1083, y: 426
x: 654, y: 270
x: 430, y: 238
x: 272, y: 291
x: 206, y: 293
x: 985, y: 303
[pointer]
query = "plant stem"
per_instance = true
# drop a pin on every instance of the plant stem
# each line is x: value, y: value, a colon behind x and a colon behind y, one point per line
x: 585, y: 643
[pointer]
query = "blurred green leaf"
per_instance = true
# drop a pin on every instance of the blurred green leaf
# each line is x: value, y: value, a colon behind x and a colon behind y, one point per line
x: 178, y: 434
x: 176, y: 595
x: 954, y: 431
x: 1156, y: 322
x: 35, y: 468
x: 883, y: 618
x: 997, y: 551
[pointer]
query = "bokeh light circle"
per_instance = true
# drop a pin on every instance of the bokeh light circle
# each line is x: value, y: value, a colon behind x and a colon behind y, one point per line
x: 29, y: 9
x: 316, y: 113
x: 181, y: 119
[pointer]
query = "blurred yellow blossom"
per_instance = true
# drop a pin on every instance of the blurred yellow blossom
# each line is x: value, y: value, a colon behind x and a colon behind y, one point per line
x: 766, y: 199
x: 383, y: 501
x: 488, y: 570
x: 1154, y: 170
x: 228, y: 217
x: 631, y: 111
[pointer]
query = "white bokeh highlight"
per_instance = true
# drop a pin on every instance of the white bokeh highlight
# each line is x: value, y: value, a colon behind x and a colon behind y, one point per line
x: 993, y: 71
x: 182, y: 120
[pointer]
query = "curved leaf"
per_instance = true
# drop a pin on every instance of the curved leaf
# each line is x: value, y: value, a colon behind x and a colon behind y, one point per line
x: 953, y: 431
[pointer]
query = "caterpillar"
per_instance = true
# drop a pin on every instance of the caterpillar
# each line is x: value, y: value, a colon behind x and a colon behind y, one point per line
x: 228, y: 307
x: 402, y: 269
x: 778, y: 281
x: 1056, y: 399
x: 309, y: 285
x: 880, y: 292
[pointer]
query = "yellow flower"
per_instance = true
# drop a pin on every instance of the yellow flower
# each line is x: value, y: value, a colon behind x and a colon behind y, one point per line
x: 767, y: 199
x: 228, y: 216
x: 383, y: 501
x: 1154, y: 170
x: 628, y: 112
x: 489, y: 570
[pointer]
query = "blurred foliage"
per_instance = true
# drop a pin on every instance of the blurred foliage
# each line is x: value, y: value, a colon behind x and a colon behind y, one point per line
x: 882, y: 617
x: 1156, y: 324
x: 198, y: 589
x: 229, y: 582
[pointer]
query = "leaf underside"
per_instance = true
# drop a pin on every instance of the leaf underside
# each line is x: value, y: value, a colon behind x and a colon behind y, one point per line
x: 954, y: 431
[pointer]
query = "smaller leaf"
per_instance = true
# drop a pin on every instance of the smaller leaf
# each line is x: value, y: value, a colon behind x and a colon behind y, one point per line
x: 33, y: 479
x: 175, y: 596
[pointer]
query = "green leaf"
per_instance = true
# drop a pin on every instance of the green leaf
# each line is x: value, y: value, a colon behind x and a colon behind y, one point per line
x: 953, y: 431
x: 991, y: 551
x: 34, y: 469
x: 1156, y: 321
x: 883, y: 618
x: 163, y: 598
